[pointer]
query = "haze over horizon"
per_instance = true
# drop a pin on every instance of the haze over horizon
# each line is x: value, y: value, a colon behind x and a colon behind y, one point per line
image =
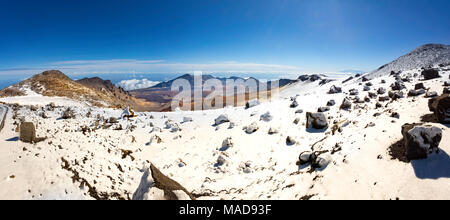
x: 81, y: 37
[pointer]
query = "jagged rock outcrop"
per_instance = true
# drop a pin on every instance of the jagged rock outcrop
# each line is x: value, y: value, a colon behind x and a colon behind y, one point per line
x: 157, y: 186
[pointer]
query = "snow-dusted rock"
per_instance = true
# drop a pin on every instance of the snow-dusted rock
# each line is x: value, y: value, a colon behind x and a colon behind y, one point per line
x: 381, y: 91
x: 331, y: 102
x: 128, y: 113
x: 294, y: 104
x: 221, y: 119
x: 68, y: 114
x: 420, y: 140
x: 431, y: 94
x: 395, y: 115
x: 253, y: 127
x: 354, y: 92
x: 156, y: 130
x: 398, y: 85
x: 394, y: 95
x: 232, y: 125
x: 155, y: 139
x: 316, y: 120
x: 227, y: 143
x: 290, y: 140
x: 266, y: 117
x: 321, y: 162
x: 27, y: 132
x: 441, y: 108
x: 418, y: 92
x: 430, y: 74
x: 273, y: 131
x: 372, y: 95
x: 306, y: 157
x: 346, y: 104
x: 323, y: 109
x: 172, y: 126
x: 222, y: 159
x: 334, y: 89
x: 446, y: 90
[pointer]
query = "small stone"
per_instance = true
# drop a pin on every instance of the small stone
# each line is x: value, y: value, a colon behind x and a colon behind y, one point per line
x: 331, y: 102
x: 290, y: 141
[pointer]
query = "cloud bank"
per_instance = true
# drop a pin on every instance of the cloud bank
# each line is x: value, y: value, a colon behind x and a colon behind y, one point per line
x: 153, y: 66
x: 133, y: 84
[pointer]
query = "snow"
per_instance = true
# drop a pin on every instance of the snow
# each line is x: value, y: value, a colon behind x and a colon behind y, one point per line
x: 33, y: 98
x: 257, y: 166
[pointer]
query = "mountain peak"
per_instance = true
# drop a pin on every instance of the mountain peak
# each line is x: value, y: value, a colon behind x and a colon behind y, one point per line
x: 54, y: 74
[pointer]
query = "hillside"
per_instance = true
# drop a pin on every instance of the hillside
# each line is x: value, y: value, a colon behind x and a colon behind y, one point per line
x: 429, y: 55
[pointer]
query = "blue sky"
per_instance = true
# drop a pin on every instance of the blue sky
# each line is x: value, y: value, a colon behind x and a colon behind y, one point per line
x: 214, y: 35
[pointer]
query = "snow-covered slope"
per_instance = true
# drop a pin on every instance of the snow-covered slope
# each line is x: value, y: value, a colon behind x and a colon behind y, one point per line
x: 429, y: 55
x: 94, y: 157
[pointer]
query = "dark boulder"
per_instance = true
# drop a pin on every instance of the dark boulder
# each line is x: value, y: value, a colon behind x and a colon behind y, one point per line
x: 346, y: 104
x: 381, y: 91
x: 398, y: 85
x: 441, y: 108
x: 372, y: 95
x: 334, y: 90
x: 354, y: 92
x: 446, y: 90
x: 316, y: 120
x: 383, y: 98
x: 430, y: 74
x: 348, y: 79
x: 420, y: 140
x: 419, y: 86
x: 27, y: 132
x: 394, y: 95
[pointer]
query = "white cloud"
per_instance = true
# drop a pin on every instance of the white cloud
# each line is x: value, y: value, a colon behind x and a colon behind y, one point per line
x: 133, y: 84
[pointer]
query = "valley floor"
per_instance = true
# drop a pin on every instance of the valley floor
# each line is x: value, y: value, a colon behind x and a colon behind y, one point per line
x: 101, y: 162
